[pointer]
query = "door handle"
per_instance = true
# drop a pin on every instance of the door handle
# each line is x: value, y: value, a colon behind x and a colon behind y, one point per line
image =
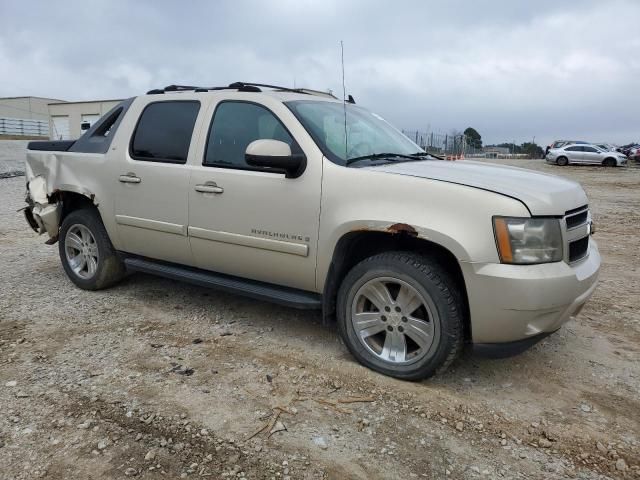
x: 208, y: 188
x: 129, y: 179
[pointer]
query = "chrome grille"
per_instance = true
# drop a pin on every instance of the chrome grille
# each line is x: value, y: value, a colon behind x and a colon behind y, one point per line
x: 578, y: 229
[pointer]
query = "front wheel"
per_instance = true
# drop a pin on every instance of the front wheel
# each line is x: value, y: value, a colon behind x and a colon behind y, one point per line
x: 609, y: 162
x: 400, y: 314
x: 87, y: 255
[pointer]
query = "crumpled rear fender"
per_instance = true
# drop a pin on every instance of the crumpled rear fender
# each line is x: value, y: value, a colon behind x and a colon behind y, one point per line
x: 47, y: 177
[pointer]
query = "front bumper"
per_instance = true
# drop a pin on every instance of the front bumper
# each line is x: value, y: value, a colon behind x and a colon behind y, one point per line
x: 510, y: 303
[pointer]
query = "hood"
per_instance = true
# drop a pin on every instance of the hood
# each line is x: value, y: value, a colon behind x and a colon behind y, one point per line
x: 543, y: 194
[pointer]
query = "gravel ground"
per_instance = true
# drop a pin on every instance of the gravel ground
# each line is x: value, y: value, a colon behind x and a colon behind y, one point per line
x: 12, y: 154
x: 158, y: 379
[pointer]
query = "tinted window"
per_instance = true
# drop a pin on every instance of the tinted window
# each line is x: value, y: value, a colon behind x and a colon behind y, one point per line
x: 235, y: 125
x: 589, y: 149
x: 574, y: 149
x: 164, y: 132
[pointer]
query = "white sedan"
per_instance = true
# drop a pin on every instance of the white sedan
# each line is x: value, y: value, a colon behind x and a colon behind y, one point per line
x: 587, y: 154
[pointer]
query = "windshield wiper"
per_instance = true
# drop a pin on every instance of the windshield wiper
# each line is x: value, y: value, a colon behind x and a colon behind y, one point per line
x: 425, y: 154
x: 374, y: 156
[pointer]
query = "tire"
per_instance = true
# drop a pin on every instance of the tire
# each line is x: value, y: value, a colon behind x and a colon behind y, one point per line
x: 432, y: 334
x: 87, y: 255
x: 562, y: 161
x: 609, y: 162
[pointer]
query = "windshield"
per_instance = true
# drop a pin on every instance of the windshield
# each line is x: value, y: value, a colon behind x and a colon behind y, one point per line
x: 366, y: 133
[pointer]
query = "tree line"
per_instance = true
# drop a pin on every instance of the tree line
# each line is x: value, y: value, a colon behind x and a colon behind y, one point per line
x: 533, y: 150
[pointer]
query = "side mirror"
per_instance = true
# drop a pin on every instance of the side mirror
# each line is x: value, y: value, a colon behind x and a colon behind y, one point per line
x: 275, y: 155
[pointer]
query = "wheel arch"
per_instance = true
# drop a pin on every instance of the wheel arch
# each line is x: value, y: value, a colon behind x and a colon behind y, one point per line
x: 355, y: 246
x: 73, y: 200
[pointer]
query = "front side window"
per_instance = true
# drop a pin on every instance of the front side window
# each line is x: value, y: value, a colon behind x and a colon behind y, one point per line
x: 589, y: 149
x: 164, y: 131
x: 235, y: 125
x: 345, y: 131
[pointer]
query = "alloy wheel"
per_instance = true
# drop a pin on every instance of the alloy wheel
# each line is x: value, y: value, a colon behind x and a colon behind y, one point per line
x: 394, y: 321
x: 81, y: 250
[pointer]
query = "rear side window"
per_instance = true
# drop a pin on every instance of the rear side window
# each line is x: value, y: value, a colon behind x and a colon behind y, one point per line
x: 235, y: 125
x: 574, y: 149
x: 164, y: 131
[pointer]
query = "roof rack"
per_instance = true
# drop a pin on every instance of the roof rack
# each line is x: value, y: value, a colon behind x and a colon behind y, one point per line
x: 239, y: 86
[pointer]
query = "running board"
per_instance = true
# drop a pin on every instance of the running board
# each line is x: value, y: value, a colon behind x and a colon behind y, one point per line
x: 286, y: 296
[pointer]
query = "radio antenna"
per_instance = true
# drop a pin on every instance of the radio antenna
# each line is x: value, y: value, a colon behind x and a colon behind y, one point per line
x: 344, y: 104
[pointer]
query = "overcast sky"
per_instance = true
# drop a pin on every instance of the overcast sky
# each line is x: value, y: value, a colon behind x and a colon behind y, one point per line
x: 511, y: 69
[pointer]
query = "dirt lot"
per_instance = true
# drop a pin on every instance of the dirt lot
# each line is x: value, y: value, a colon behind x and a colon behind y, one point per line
x: 157, y: 379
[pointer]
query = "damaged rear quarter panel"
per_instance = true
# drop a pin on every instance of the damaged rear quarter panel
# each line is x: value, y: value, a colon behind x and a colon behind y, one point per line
x: 88, y: 174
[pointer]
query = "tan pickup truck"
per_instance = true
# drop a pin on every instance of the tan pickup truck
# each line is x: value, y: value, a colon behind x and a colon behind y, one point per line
x: 292, y: 196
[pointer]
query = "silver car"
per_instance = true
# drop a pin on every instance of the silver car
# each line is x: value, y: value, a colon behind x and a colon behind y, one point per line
x: 587, y: 154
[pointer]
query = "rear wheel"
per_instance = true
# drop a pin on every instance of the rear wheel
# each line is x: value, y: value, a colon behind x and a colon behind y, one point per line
x: 562, y: 161
x: 609, y: 162
x: 400, y: 314
x: 87, y: 255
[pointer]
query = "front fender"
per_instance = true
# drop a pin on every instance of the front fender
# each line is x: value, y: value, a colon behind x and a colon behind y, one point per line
x: 455, y: 217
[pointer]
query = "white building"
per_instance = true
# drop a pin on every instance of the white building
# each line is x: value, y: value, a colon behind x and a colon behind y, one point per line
x: 25, y: 116
x: 39, y: 117
x: 68, y: 120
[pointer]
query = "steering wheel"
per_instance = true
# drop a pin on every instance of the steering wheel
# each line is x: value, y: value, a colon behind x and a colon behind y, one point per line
x: 359, y: 149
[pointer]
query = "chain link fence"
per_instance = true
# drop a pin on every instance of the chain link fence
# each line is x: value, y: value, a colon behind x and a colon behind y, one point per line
x: 458, y: 145
x: 444, y: 143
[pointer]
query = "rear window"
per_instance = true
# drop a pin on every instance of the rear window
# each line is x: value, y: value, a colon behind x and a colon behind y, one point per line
x: 164, y: 131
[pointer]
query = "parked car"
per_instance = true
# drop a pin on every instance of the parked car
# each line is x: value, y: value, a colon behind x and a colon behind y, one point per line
x: 607, y: 147
x: 627, y: 149
x: 559, y: 144
x: 585, y: 154
x: 299, y: 198
x: 562, y: 143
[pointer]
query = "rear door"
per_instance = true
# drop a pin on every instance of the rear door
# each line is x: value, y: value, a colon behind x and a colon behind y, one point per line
x: 574, y: 154
x: 152, y: 182
x: 246, y: 221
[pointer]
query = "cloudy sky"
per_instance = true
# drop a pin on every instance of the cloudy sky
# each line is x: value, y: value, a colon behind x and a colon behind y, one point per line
x: 512, y: 69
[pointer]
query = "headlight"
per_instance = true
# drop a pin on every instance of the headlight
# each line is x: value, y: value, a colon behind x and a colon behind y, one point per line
x: 528, y: 240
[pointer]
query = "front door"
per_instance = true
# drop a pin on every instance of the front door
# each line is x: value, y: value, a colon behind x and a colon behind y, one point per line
x: 249, y: 222
x: 152, y: 183
x: 591, y: 155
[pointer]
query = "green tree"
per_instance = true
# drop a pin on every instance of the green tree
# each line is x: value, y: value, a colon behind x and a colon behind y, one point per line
x: 474, y: 138
x: 533, y: 150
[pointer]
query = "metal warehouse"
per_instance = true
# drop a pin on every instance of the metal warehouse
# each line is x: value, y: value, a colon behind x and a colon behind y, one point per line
x: 25, y: 116
x: 40, y: 117
x: 69, y: 120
